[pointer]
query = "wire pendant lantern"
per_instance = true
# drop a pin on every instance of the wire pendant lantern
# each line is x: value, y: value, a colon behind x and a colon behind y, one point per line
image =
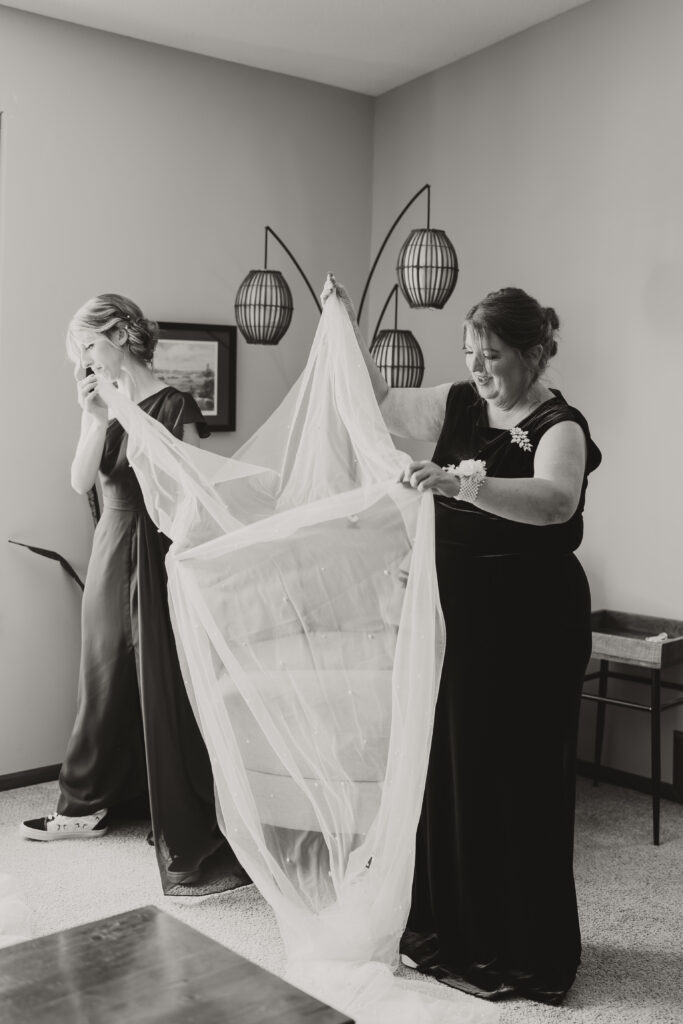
x: 399, y: 357
x: 263, y: 304
x: 397, y: 353
x: 427, y: 268
x: 263, y: 307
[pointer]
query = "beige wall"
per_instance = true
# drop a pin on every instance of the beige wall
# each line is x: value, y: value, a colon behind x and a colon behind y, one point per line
x: 140, y: 169
x: 556, y: 159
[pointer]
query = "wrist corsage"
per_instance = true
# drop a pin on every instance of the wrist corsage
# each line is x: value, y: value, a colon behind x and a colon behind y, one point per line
x: 472, y: 473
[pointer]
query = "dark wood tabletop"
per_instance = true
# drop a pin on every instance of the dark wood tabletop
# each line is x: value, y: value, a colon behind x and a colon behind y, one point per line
x: 144, y: 966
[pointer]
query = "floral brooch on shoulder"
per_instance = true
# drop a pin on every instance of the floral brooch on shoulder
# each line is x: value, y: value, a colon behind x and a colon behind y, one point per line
x: 520, y: 437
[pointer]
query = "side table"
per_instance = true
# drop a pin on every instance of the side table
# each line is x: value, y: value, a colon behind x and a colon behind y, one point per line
x: 620, y: 637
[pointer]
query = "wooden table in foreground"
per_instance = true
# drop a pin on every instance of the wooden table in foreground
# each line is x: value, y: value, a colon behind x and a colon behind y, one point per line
x: 144, y: 966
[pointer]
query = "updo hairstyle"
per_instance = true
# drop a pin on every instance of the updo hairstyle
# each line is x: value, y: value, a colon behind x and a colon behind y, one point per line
x: 106, y: 312
x: 519, y: 321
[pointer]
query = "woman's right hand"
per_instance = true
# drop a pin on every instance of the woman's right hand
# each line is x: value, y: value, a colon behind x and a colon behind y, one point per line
x: 88, y: 397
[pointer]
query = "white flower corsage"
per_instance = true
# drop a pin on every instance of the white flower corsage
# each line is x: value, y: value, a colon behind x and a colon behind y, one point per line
x: 472, y: 473
x: 520, y: 437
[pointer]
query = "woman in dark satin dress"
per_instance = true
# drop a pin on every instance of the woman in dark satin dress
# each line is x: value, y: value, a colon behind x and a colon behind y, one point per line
x: 494, y: 905
x: 135, y: 736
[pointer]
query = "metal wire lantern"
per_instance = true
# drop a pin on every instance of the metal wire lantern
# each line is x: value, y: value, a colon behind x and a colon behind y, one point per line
x: 263, y: 304
x: 397, y: 353
x: 427, y: 268
x: 263, y: 307
x: 399, y: 357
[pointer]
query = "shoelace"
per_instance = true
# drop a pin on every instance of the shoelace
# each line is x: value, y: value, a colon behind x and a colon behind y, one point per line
x: 96, y: 818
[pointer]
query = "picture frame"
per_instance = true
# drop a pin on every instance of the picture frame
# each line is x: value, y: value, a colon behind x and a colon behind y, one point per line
x: 201, y: 359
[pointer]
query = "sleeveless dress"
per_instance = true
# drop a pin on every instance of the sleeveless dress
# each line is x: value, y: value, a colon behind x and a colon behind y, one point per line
x: 494, y: 905
x: 135, y: 737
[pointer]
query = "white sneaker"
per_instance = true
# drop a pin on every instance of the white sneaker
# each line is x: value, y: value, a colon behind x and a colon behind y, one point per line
x: 63, y: 826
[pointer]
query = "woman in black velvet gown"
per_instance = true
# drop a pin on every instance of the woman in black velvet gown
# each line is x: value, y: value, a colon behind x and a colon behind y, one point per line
x: 494, y: 905
x: 135, y: 737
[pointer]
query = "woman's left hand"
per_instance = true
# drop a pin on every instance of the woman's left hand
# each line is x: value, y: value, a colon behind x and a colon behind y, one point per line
x: 427, y: 476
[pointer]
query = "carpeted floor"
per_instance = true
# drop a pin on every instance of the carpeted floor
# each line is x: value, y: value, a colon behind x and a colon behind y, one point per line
x: 630, y: 900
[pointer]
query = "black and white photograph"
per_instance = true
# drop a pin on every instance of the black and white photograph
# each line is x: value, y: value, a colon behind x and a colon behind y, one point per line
x: 341, y: 613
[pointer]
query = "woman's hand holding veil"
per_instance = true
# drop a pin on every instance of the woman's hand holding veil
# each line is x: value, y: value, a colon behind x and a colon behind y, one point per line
x: 333, y: 287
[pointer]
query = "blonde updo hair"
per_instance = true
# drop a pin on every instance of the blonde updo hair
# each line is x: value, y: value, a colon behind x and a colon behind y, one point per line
x: 106, y: 312
x: 519, y: 321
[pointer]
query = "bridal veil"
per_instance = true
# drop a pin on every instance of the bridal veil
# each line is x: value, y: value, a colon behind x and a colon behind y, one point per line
x: 305, y: 607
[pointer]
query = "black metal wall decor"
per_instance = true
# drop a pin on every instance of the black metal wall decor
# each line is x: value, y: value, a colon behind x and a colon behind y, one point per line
x: 397, y: 353
x: 264, y: 305
x: 427, y: 272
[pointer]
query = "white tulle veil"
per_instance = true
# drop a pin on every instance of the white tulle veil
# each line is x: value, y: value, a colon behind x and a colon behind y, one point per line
x: 306, y: 613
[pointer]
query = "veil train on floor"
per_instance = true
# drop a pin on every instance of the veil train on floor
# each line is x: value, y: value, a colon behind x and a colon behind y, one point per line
x: 15, y: 917
x: 305, y: 607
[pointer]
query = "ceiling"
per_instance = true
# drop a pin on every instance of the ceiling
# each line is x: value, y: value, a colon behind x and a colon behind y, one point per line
x: 368, y: 46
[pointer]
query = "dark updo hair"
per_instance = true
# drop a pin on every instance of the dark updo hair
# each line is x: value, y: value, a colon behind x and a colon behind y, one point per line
x: 105, y: 312
x: 520, y: 322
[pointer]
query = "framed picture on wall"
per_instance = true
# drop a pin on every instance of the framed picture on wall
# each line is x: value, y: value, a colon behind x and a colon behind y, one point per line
x: 201, y: 359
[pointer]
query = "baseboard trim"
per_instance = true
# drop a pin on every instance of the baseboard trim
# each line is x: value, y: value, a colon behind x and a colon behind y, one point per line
x: 627, y: 780
x: 15, y: 780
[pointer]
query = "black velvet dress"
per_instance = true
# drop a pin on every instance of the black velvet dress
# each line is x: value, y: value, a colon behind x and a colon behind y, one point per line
x: 135, y: 736
x: 494, y: 905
